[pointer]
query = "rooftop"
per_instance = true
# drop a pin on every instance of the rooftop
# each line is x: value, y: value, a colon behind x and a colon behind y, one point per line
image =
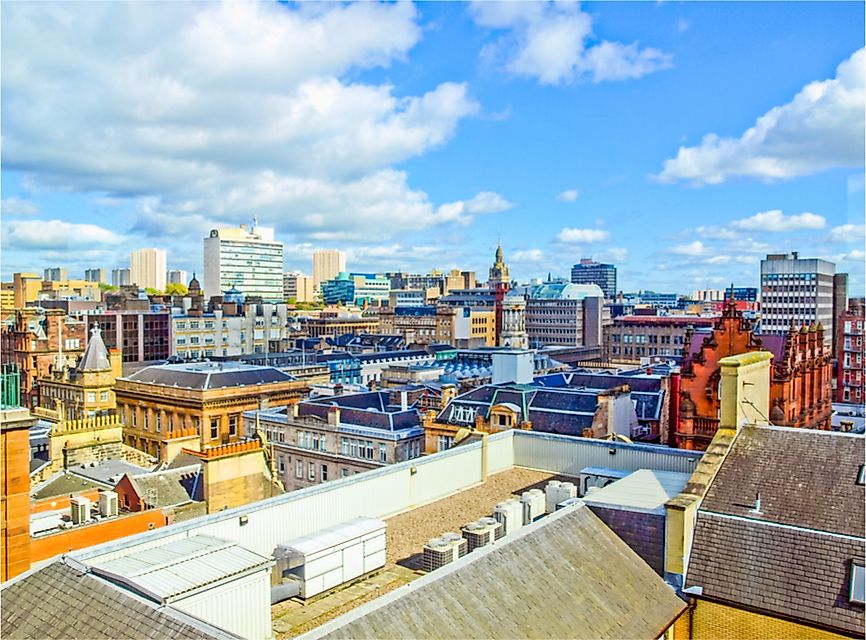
x: 566, y: 576
x: 779, y: 526
x: 209, y: 375
x: 566, y: 291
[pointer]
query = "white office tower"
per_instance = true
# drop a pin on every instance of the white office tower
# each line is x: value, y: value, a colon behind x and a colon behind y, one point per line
x: 327, y: 264
x: 248, y: 259
x: 147, y: 268
x: 797, y: 290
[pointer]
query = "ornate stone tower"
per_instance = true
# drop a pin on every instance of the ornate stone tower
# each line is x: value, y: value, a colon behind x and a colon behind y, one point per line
x: 499, y: 271
x: 514, y: 323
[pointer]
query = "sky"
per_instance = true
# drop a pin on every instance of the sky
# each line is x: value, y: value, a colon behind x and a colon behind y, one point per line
x: 680, y: 141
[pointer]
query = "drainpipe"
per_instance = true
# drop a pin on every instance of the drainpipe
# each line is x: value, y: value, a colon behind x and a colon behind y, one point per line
x: 483, y: 457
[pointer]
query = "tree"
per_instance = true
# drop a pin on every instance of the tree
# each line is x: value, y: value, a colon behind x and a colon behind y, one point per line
x: 104, y: 286
x: 152, y: 292
x: 177, y: 289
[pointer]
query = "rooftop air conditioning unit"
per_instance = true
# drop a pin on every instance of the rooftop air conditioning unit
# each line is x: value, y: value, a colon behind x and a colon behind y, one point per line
x: 568, y: 503
x: 556, y: 492
x: 509, y: 514
x: 107, y: 504
x: 498, y: 531
x: 551, y: 493
x: 437, y: 553
x: 80, y: 510
x: 533, y: 505
x: 458, y: 541
x: 479, y: 535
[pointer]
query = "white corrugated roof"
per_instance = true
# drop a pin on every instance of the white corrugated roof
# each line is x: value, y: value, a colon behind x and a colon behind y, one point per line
x: 335, y: 535
x: 176, y: 568
x: 644, y: 489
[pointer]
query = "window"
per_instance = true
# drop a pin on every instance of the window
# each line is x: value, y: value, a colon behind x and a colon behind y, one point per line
x: 383, y: 453
x: 856, y: 593
x: 344, y: 446
x: 299, y: 469
x: 324, y: 473
x: 214, y: 428
x: 344, y: 473
x: 308, y: 440
x: 158, y: 421
x: 134, y: 416
x: 103, y: 396
x: 368, y: 453
x: 282, y: 464
x: 91, y: 396
x: 196, y: 421
x: 233, y: 425
x: 445, y: 442
x: 312, y: 471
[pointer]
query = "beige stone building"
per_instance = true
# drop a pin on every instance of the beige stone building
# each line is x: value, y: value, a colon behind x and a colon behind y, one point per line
x: 168, y: 407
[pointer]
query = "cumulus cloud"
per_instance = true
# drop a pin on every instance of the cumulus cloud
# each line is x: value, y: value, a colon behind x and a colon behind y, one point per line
x: 56, y: 234
x: 577, y: 236
x: 527, y: 255
x: 569, y: 195
x: 554, y: 42
x: 695, y: 248
x: 216, y: 112
x: 15, y: 206
x: 821, y: 128
x: 776, y: 221
x: 848, y: 233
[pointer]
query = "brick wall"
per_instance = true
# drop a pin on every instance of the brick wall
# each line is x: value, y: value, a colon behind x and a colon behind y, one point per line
x: 644, y: 533
x: 711, y: 621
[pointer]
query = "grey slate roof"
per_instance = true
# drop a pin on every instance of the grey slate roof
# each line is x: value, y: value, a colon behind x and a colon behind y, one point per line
x: 60, y: 601
x: 165, y: 488
x: 568, y: 576
x: 63, y: 483
x: 792, y: 559
x: 209, y: 375
x: 95, y: 356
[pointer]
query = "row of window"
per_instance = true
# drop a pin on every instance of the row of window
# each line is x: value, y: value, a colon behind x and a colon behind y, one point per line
x: 355, y: 448
x: 645, y: 339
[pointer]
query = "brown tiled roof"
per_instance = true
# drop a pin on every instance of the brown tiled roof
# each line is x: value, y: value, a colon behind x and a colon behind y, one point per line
x: 782, y: 571
x: 805, y: 478
x: 792, y: 558
x: 60, y: 601
x: 568, y: 577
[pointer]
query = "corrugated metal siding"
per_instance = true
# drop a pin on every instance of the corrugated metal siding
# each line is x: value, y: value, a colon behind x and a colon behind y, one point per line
x: 242, y: 606
x: 568, y: 455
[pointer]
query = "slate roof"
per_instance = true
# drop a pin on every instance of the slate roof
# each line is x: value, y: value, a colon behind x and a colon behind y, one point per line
x: 95, y: 356
x: 60, y: 601
x: 209, y: 375
x: 171, y: 487
x: 107, y: 472
x: 555, y: 406
x: 792, y: 559
x: 567, y: 576
x: 63, y: 483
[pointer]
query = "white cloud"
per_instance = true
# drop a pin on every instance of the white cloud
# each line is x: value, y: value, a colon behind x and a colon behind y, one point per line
x: 15, y: 206
x: 821, y: 128
x: 576, y: 236
x: 216, y: 112
x: 775, y: 221
x: 856, y: 255
x: 716, y: 232
x: 848, y: 233
x: 554, y: 42
x: 613, y: 254
x: 695, y: 248
x: 527, y: 255
x: 569, y: 195
x: 56, y: 234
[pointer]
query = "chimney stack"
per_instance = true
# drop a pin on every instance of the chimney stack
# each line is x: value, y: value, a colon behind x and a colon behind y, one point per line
x: 334, y: 416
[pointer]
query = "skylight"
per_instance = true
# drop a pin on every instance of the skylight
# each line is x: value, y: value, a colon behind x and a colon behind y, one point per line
x: 858, y: 575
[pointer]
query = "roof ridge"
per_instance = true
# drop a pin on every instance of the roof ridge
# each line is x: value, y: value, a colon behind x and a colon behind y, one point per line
x: 781, y: 525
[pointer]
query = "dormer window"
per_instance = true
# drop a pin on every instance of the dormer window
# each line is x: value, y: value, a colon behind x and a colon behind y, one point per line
x: 856, y: 593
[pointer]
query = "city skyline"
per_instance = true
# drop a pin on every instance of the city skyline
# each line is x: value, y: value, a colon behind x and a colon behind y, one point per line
x: 680, y: 142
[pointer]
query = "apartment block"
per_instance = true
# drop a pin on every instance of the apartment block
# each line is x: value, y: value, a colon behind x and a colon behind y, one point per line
x: 850, y: 381
x: 588, y: 271
x: 147, y: 268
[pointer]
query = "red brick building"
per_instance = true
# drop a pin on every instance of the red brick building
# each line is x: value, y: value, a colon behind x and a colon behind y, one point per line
x: 800, y: 390
x: 849, y: 354
x: 34, y: 340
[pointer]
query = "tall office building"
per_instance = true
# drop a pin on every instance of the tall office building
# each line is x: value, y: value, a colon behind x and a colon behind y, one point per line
x: 589, y: 272
x: 327, y: 263
x: 147, y: 268
x: 799, y: 291
x: 55, y: 274
x: 177, y: 276
x: 96, y: 275
x: 248, y: 259
x: 121, y: 278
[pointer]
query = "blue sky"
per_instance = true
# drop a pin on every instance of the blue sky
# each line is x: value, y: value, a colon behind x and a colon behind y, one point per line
x: 681, y: 141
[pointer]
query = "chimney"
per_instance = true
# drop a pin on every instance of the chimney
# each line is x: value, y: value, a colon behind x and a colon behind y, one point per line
x: 115, y: 357
x: 334, y: 416
x: 294, y: 409
x: 404, y: 401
